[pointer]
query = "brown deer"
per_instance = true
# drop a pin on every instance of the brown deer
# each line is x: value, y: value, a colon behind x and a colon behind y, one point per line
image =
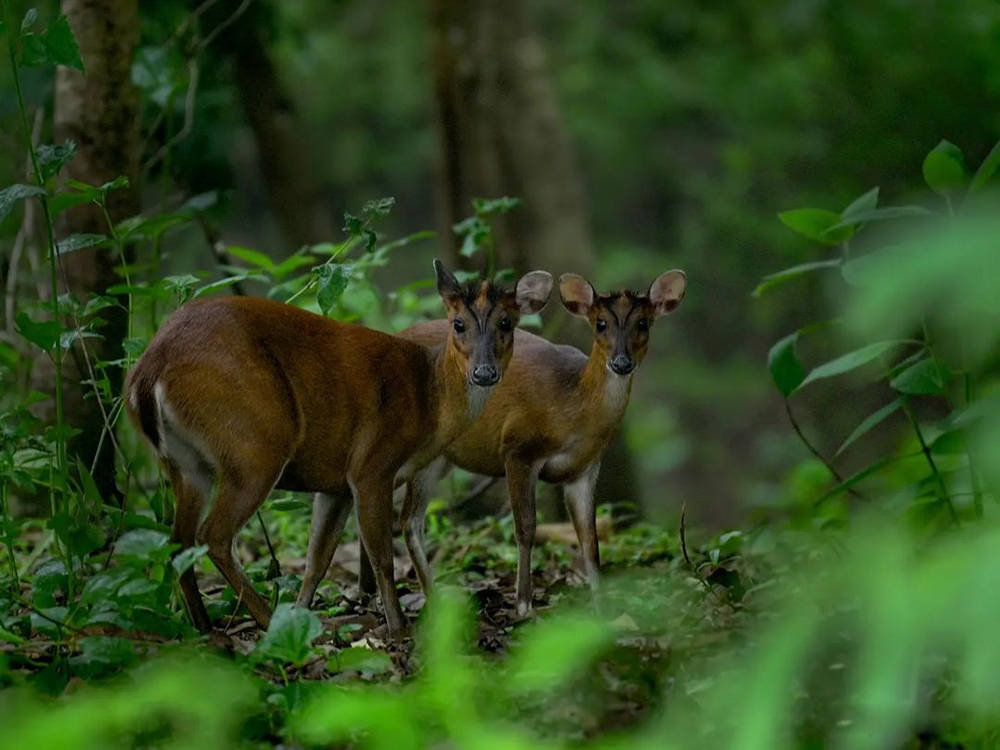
x: 551, y: 418
x: 245, y: 394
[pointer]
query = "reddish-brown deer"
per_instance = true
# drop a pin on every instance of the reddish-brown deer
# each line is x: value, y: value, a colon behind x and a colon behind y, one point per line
x: 551, y: 418
x: 243, y: 395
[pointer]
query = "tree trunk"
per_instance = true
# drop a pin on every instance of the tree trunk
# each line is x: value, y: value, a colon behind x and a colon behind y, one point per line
x: 501, y: 133
x: 98, y: 110
x: 303, y: 215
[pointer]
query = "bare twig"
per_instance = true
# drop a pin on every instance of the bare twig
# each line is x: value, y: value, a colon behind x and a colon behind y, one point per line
x: 812, y: 449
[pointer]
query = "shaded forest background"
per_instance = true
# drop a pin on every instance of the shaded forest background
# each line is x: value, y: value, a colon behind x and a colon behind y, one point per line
x: 640, y: 136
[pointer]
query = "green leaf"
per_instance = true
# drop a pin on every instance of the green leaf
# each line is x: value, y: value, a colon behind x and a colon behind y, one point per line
x: 944, y: 168
x: 553, y: 651
x: 882, y: 214
x: 13, y: 193
x: 148, y: 227
x: 378, y: 209
x: 102, y: 654
x: 79, y: 242
x: 950, y: 443
x: 986, y: 169
x: 491, y: 207
x: 923, y: 378
x: 188, y: 557
x: 140, y: 542
x: 781, y: 277
x: 866, y: 202
x: 45, y: 334
x: 360, y: 659
x: 226, y: 282
x: 290, y: 635
x: 55, y: 46
x: 817, y: 224
x: 290, y: 264
x: 869, y: 423
x: 332, y: 283
x: 849, y: 361
x: 254, y: 257
x: 52, y: 157
x: 786, y: 368
x: 29, y: 19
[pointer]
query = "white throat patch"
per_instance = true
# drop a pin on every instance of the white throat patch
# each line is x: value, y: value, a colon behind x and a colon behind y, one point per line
x: 477, y: 398
x: 616, y: 391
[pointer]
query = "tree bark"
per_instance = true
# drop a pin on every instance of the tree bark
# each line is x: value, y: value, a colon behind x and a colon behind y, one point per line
x: 303, y: 215
x: 501, y: 133
x: 99, y: 110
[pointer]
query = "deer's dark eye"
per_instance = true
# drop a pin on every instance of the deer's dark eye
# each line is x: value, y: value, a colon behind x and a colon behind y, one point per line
x: 643, y: 324
x: 504, y: 324
x: 458, y: 325
x: 601, y: 325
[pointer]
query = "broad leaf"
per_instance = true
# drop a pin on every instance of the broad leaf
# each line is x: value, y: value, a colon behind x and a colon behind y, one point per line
x: 923, y: 378
x: 332, y: 283
x: 986, y: 169
x: 882, y: 214
x: 785, y: 366
x: 226, y: 282
x: 850, y: 361
x: 869, y: 423
x: 45, y: 334
x: 55, y: 46
x: 816, y: 224
x: 944, y: 168
x: 253, y: 257
x: 861, y: 204
x: 13, y: 193
x: 290, y: 635
x: 188, y: 557
x: 79, y: 242
x: 780, y: 277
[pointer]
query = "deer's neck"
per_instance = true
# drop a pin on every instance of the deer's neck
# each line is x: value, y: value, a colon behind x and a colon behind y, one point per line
x: 604, y: 390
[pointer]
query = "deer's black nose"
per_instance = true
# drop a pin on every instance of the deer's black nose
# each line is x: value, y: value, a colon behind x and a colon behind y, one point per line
x: 485, y: 374
x: 622, y: 364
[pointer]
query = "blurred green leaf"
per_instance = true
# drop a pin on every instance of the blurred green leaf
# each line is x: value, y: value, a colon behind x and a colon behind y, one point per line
x: 188, y: 557
x: 780, y: 277
x: 850, y: 361
x: 863, y: 203
x: 784, y: 364
x: 986, y: 169
x: 944, y: 168
x: 882, y: 214
x: 554, y: 650
x: 13, y: 193
x: 79, y: 242
x: 869, y: 423
x: 360, y: 659
x: 817, y: 224
x: 923, y: 378
x: 254, y: 257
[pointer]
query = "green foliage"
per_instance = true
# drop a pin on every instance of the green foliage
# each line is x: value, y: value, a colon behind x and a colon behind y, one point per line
x: 934, y: 280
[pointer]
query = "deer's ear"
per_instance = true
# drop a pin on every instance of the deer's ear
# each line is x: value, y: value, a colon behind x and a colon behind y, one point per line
x: 576, y: 293
x: 667, y: 291
x: 532, y: 291
x: 447, y: 285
